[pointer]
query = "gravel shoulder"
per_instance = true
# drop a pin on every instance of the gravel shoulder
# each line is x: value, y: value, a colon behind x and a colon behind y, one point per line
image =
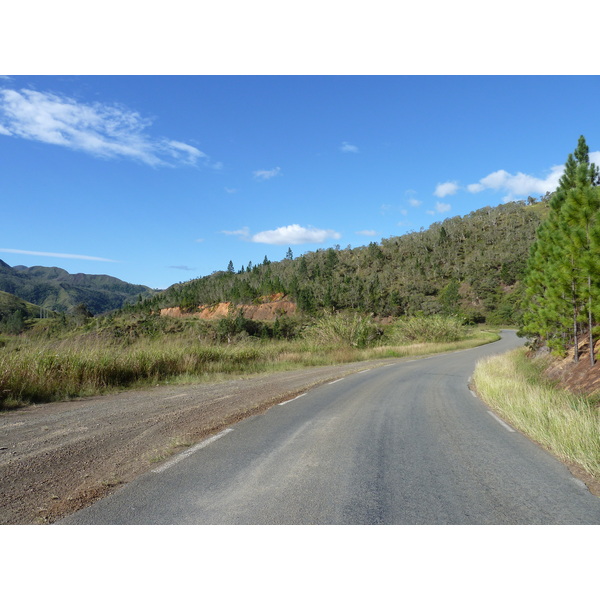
x: 58, y: 458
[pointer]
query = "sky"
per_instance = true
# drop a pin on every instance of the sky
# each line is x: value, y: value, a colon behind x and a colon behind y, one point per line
x: 160, y: 179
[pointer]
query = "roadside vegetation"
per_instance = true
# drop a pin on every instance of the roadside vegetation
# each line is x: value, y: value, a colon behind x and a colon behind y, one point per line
x: 55, y: 361
x: 565, y: 423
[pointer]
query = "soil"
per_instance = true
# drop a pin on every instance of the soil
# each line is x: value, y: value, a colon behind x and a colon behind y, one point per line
x: 58, y: 458
x: 579, y: 377
x: 268, y: 310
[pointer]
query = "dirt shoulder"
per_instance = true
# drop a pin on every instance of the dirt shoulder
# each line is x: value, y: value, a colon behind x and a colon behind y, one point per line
x: 58, y: 458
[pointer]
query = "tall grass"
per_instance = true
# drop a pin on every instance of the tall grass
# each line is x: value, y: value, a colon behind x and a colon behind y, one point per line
x: 47, y: 369
x: 565, y: 423
x: 358, y: 331
x: 432, y: 329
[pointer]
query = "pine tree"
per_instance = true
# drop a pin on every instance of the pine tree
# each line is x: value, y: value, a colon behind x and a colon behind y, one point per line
x: 562, y: 279
x: 581, y: 218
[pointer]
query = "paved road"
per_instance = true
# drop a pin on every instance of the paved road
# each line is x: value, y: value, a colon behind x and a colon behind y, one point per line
x: 402, y: 444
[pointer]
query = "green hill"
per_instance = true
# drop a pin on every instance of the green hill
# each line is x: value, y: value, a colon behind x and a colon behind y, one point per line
x: 10, y: 304
x: 470, y: 265
x: 58, y: 290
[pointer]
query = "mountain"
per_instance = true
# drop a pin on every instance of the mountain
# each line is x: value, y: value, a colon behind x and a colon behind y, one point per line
x: 58, y: 290
x: 472, y: 265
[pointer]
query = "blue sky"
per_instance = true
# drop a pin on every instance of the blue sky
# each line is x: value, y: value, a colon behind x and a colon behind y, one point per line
x: 160, y: 179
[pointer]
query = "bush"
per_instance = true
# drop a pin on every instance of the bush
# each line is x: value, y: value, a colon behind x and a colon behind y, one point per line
x: 423, y: 329
x: 344, y: 330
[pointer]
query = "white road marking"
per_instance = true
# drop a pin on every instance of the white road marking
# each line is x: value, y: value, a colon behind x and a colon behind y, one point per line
x: 190, y: 451
x: 332, y: 382
x: 296, y: 398
x: 501, y: 422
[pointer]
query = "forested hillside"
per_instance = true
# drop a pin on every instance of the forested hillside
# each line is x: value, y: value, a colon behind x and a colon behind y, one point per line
x: 58, y: 290
x: 472, y: 265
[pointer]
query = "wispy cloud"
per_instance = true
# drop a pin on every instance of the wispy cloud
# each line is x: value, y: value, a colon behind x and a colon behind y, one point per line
x: 182, y: 267
x: 414, y: 202
x: 347, y: 147
x: 57, y: 255
x: 367, y: 232
x: 267, y: 174
x: 446, y: 189
x: 519, y: 185
x: 243, y: 233
x: 102, y: 130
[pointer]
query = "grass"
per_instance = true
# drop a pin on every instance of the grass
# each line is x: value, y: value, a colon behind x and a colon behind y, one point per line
x: 46, y: 370
x: 565, y: 423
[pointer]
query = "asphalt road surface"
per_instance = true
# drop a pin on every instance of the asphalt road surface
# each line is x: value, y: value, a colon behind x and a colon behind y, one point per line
x: 402, y: 444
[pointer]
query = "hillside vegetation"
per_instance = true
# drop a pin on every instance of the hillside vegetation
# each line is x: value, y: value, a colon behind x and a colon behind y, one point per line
x: 472, y: 266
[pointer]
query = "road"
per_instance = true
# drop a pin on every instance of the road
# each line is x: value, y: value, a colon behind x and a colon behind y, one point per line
x: 406, y: 443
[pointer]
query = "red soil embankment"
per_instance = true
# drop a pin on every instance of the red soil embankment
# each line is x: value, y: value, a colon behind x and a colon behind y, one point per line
x: 268, y: 310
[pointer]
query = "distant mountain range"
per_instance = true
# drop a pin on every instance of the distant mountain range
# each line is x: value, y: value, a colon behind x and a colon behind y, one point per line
x: 58, y: 290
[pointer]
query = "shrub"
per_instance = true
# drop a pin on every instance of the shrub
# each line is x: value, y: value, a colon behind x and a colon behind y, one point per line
x: 433, y: 328
x: 344, y: 330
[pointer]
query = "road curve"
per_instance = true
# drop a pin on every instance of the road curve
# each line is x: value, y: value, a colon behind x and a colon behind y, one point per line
x: 402, y: 444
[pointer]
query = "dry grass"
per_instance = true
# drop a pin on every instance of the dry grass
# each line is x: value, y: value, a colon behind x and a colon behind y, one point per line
x: 565, y: 423
x: 37, y: 371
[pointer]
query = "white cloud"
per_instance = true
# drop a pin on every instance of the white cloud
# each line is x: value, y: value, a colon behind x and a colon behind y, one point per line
x: 446, y: 189
x: 295, y: 234
x: 243, y: 233
x: 57, y: 255
x: 475, y: 188
x: 346, y: 147
x: 519, y: 185
x: 102, y: 130
x: 182, y: 267
x: 367, y: 232
x: 430, y: 212
x: 442, y: 207
x: 264, y: 175
x: 595, y: 158
x: 414, y: 202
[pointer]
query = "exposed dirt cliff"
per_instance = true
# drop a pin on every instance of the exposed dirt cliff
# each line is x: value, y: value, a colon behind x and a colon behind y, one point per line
x: 269, y: 309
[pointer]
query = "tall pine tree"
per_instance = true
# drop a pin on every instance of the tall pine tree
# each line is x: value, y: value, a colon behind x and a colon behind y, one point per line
x: 562, y: 279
